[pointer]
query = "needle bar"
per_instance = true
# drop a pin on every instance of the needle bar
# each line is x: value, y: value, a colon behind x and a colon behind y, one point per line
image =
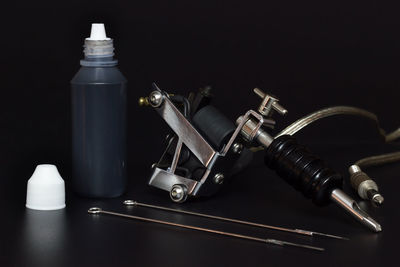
x: 96, y: 210
x: 296, y: 231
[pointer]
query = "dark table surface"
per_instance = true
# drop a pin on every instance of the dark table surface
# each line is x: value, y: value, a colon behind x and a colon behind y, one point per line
x: 72, y: 237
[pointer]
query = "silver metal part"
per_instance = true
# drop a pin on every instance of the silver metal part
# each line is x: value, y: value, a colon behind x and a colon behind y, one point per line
x: 364, y: 185
x: 166, y: 180
x: 208, y: 230
x: 351, y: 206
x: 176, y: 155
x: 94, y: 210
x: 251, y: 130
x: 218, y: 178
x: 186, y: 132
x: 178, y: 193
x: 354, y: 169
x: 156, y: 99
x: 240, y: 126
x: 237, y: 148
x: 268, y: 104
x: 130, y: 202
x: 188, y: 135
x: 377, y: 198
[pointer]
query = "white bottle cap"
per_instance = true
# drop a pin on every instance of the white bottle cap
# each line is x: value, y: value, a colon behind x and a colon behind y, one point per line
x: 45, y: 189
x: 98, y: 33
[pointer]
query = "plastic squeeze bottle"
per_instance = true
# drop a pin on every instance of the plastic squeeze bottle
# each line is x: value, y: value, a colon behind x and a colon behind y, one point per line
x: 99, y: 120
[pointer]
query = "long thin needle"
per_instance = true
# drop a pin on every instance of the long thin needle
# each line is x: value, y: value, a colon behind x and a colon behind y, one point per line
x: 296, y: 231
x: 96, y: 210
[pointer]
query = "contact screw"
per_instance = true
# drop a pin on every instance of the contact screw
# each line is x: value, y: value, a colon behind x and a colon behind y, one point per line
x: 269, y: 104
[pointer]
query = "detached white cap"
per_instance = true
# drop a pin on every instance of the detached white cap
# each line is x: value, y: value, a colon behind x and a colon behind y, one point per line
x: 45, y: 189
x: 98, y: 33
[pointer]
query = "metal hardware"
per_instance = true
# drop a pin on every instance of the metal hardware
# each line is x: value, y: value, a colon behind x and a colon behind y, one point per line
x: 361, y: 182
x: 240, y: 126
x: 375, y: 196
x: 144, y: 101
x: 237, y: 148
x: 166, y: 180
x: 98, y: 211
x: 176, y: 155
x: 268, y: 104
x: 218, y: 178
x: 344, y: 201
x: 178, y: 193
x: 251, y: 130
x: 155, y: 99
x: 130, y: 202
x: 186, y: 132
x: 364, y: 185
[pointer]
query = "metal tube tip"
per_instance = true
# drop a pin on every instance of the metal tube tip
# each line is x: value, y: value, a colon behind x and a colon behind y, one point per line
x: 372, y: 224
x: 352, y: 208
x: 378, y: 199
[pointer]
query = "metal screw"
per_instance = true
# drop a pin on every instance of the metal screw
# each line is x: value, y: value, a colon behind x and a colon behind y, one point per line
x: 144, y: 101
x: 219, y: 178
x: 178, y: 193
x: 277, y: 107
x: 259, y: 92
x: 155, y: 99
x: 237, y: 148
x: 269, y: 103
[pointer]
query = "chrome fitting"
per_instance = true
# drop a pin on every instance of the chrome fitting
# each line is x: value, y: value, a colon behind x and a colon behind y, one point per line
x: 155, y: 99
x: 364, y: 185
x: 178, y: 193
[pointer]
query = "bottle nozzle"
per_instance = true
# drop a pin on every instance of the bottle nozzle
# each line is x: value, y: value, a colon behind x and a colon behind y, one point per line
x: 98, y: 48
x: 98, y: 32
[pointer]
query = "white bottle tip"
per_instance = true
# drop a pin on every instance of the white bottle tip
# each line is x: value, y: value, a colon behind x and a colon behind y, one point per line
x: 98, y: 33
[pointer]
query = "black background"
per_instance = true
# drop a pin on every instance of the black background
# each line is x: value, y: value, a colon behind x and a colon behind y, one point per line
x: 309, y: 54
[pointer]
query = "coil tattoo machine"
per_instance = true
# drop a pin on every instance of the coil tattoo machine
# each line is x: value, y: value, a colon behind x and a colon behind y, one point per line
x: 206, y: 148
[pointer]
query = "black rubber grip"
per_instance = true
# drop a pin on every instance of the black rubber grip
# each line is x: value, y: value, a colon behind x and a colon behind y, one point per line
x: 302, y: 169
